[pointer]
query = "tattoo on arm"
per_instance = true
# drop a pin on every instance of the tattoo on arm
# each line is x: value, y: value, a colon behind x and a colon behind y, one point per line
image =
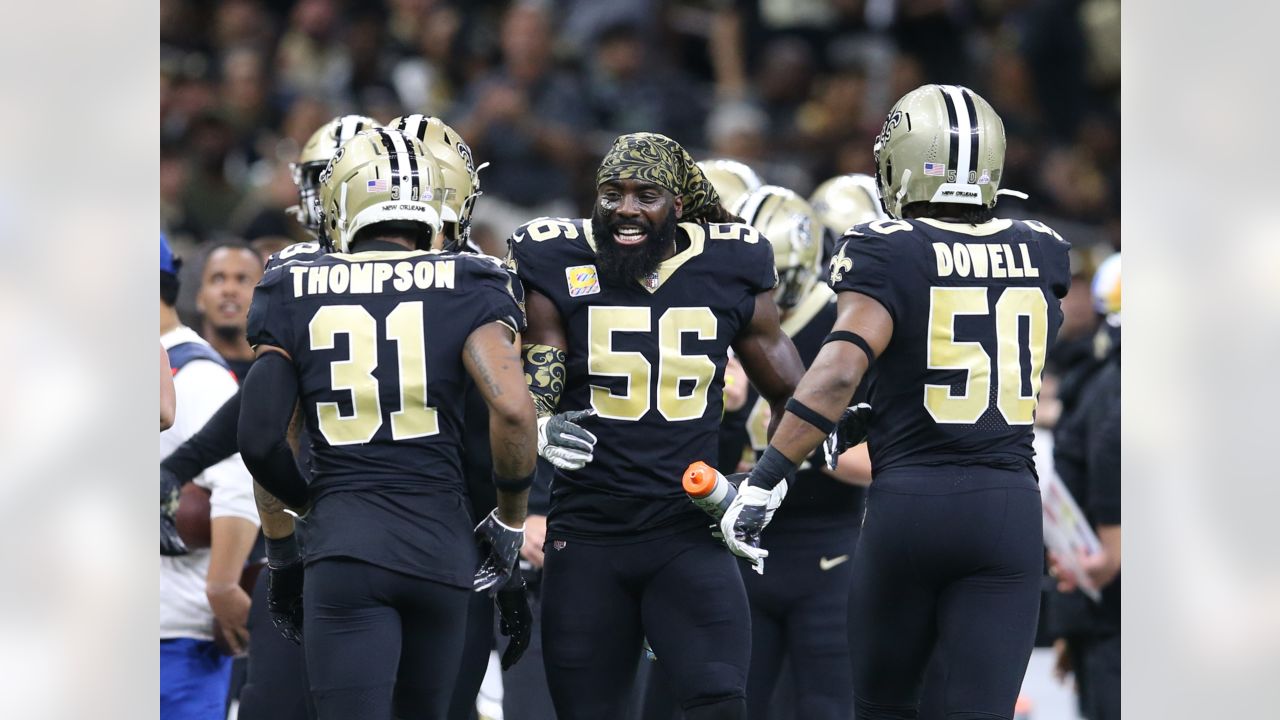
x: 276, y: 523
x: 544, y: 373
x: 482, y: 368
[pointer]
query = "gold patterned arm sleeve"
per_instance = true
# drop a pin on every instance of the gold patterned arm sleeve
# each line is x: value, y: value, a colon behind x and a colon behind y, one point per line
x: 544, y: 373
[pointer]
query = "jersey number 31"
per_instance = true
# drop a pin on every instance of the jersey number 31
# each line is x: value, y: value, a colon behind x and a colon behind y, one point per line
x: 414, y: 419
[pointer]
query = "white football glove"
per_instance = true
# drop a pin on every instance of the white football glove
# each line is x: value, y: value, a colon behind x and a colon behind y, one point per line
x: 563, y: 442
x: 749, y: 513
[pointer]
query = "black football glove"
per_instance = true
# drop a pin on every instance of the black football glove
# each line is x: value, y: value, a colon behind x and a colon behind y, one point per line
x: 284, y: 599
x: 517, y: 619
x: 851, y: 430
x: 170, y: 494
x: 499, y: 550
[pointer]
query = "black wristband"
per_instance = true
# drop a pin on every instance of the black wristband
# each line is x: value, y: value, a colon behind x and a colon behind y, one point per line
x: 853, y: 339
x: 811, y: 416
x: 282, y: 551
x: 515, y: 484
x: 772, y: 467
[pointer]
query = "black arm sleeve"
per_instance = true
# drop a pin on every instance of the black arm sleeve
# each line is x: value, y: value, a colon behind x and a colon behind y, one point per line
x: 270, y: 393
x: 215, y: 442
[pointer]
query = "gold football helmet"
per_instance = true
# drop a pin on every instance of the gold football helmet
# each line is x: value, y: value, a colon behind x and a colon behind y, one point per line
x: 795, y: 231
x: 730, y: 178
x: 460, y: 175
x: 847, y: 200
x: 939, y: 144
x: 311, y: 161
x: 380, y: 176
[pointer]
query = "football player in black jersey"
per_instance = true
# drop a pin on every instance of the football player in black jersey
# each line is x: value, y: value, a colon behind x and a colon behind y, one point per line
x: 216, y: 440
x: 799, y: 608
x: 275, y: 678
x: 632, y: 313
x: 949, y: 312
x: 377, y: 341
x: 522, y: 692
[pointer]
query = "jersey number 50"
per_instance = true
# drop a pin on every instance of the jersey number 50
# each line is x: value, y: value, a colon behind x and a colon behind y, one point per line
x: 414, y: 419
x: 947, y: 353
x: 673, y: 366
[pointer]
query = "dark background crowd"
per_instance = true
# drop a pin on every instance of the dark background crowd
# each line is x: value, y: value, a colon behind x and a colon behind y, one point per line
x: 797, y: 89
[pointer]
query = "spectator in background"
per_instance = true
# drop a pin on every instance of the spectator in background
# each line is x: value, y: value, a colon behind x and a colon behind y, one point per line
x: 1087, y: 458
x: 231, y: 270
x: 202, y: 585
x: 525, y: 118
x: 309, y: 61
x: 426, y: 77
x: 783, y: 80
x: 629, y: 90
x: 245, y: 100
x: 212, y: 192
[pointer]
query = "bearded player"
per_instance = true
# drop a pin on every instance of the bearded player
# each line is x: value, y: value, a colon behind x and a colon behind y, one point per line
x: 949, y: 312
x: 631, y: 315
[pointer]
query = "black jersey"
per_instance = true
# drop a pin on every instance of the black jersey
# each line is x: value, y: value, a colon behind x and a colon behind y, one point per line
x: 648, y: 356
x: 975, y: 309
x: 377, y: 341
x: 814, y: 498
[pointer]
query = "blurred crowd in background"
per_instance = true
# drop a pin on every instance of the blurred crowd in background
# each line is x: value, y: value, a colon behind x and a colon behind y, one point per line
x: 795, y: 88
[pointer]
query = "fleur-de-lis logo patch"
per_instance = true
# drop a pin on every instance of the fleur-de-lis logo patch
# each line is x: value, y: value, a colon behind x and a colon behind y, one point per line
x: 840, y: 264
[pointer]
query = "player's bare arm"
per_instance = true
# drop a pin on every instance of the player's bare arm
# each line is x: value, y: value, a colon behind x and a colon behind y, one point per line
x: 769, y: 358
x: 820, y: 399
x: 493, y: 362
x: 840, y: 366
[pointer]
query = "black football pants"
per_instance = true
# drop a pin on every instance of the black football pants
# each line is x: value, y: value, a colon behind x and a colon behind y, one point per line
x: 948, y: 557
x: 799, y: 610
x: 378, y: 640
x: 683, y: 592
x: 276, y: 686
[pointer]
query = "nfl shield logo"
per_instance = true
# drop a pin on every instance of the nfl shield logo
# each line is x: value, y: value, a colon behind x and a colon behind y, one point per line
x: 651, y: 281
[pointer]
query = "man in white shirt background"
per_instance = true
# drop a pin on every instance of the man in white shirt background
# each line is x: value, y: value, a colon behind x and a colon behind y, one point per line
x: 202, y: 585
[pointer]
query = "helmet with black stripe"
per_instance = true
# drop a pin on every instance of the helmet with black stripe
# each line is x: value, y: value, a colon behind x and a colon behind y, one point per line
x: 461, y: 179
x: 847, y: 200
x: 730, y: 178
x: 795, y: 232
x: 939, y: 144
x: 381, y: 176
x: 315, y: 154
